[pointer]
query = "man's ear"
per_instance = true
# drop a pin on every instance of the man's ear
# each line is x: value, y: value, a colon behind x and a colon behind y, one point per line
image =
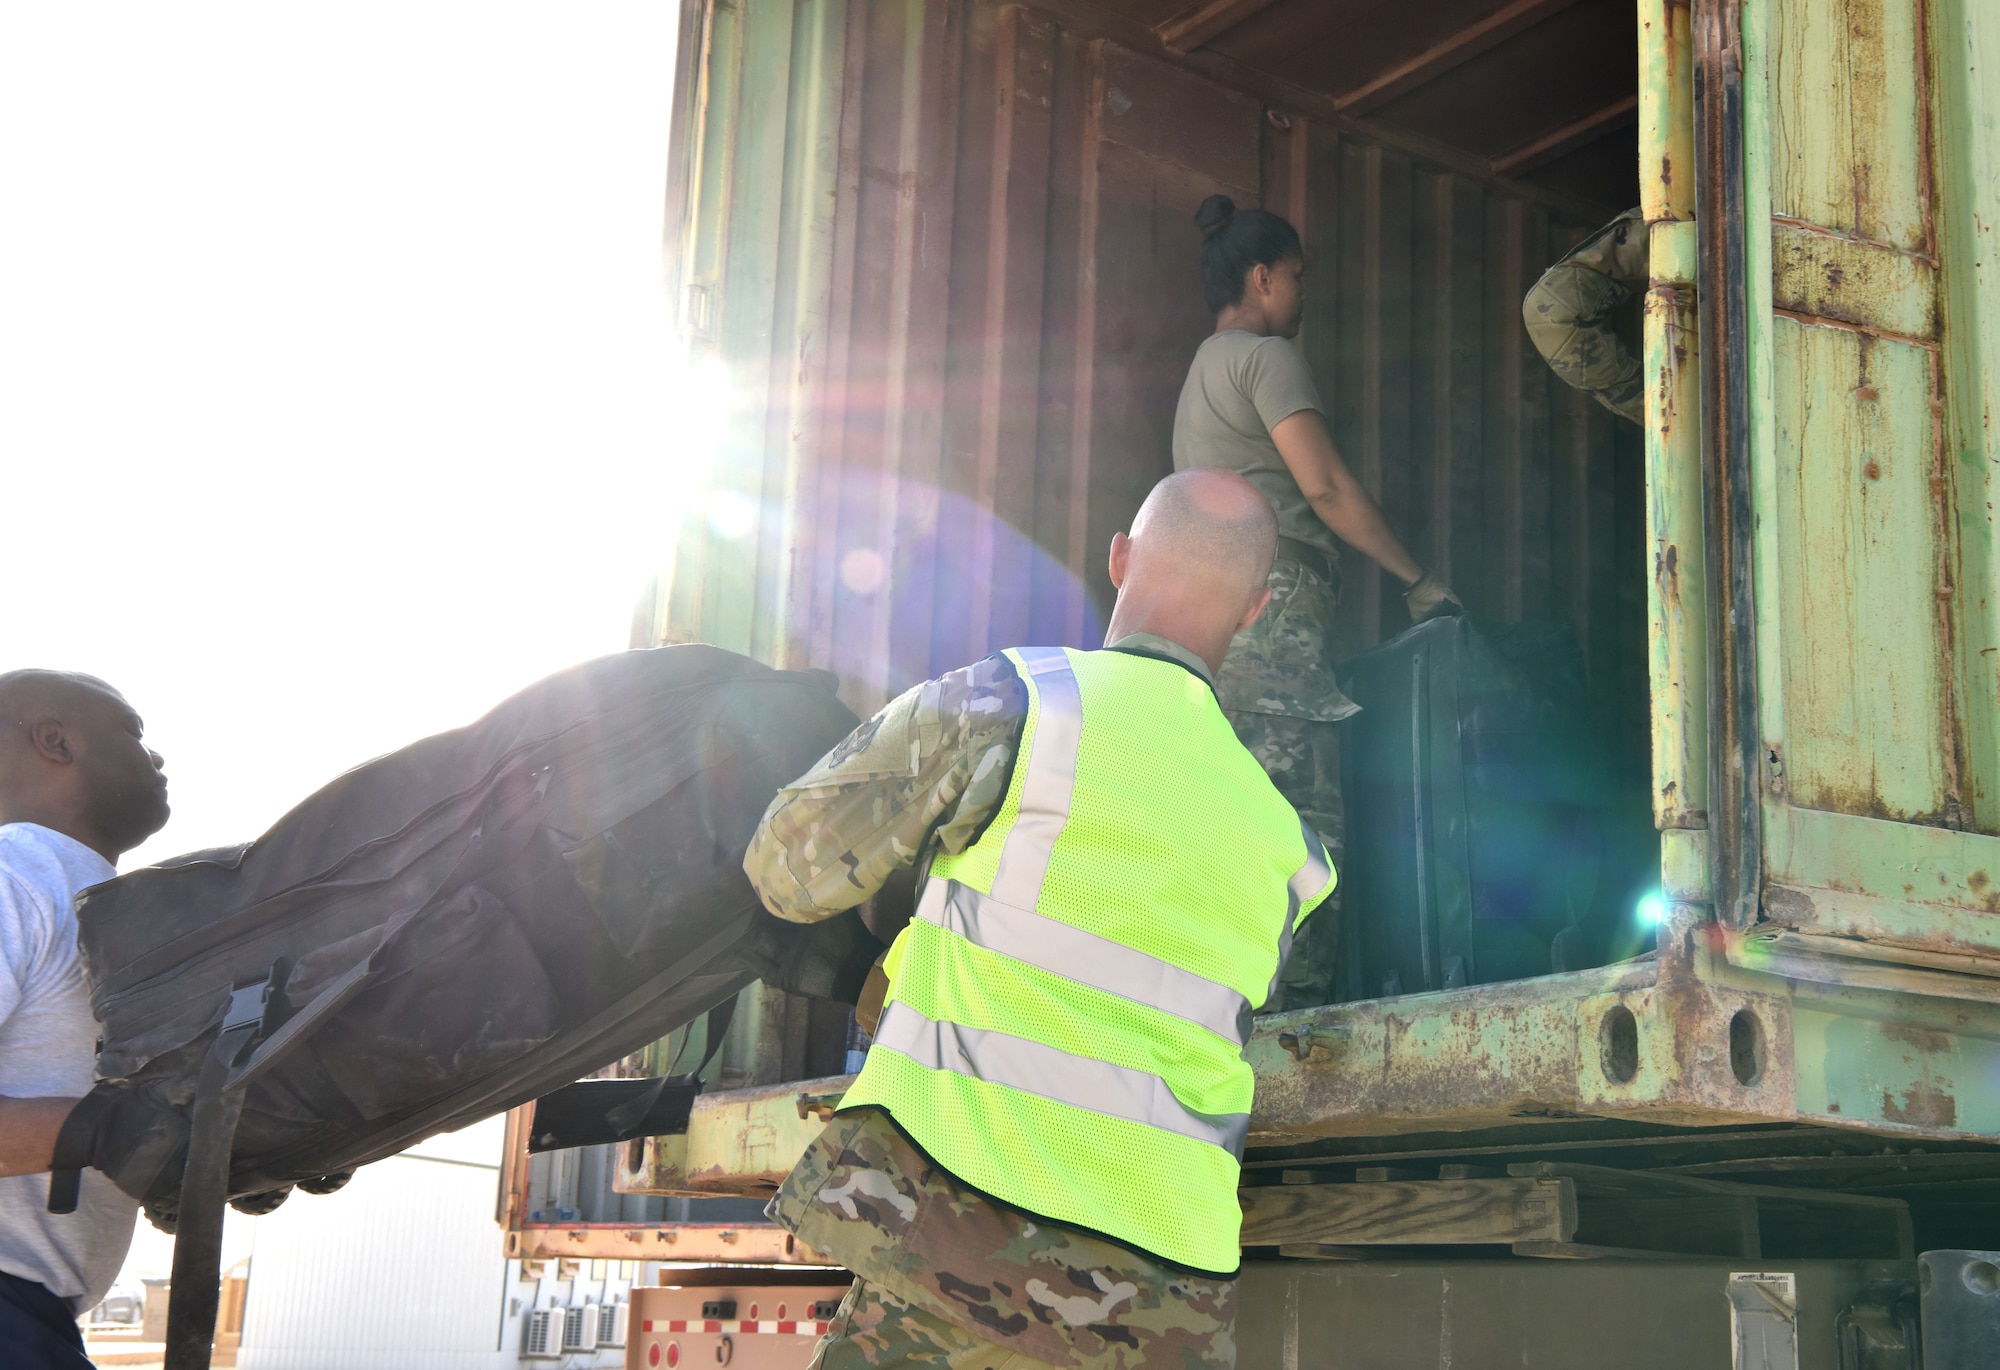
x: 1256, y: 609
x: 51, y: 741
x: 1121, y: 559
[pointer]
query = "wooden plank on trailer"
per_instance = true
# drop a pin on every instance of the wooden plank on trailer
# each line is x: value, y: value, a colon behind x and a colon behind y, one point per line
x: 1689, y: 1214
x: 1582, y: 1251
x: 1327, y: 1251
x: 1407, y: 1212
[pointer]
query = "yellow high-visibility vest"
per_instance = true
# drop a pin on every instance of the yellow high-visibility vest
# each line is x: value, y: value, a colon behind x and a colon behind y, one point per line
x: 1067, y: 1010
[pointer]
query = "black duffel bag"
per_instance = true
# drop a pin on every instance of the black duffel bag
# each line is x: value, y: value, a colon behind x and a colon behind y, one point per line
x: 449, y: 931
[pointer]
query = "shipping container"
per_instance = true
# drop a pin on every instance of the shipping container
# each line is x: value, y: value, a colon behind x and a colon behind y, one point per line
x: 935, y: 269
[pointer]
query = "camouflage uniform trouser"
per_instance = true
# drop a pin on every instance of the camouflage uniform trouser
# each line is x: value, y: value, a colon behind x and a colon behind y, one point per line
x: 946, y: 1276
x: 875, y: 1330
x: 1302, y: 757
x: 1277, y: 689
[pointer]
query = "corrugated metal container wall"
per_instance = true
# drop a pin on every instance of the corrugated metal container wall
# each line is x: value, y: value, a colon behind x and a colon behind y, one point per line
x: 402, y: 1268
x: 954, y: 303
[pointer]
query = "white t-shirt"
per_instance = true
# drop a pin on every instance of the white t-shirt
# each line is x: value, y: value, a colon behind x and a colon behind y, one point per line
x: 48, y: 1048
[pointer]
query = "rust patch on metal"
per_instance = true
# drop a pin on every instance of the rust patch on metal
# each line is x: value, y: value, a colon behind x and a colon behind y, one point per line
x: 1927, y: 1040
x: 1872, y: 469
x: 1822, y: 321
x: 1924, y: 1105
x: 1785, y: 904
x: 1928, y: 1102
x: 1944, y: 503
x: 1978, y: 881
x: 1667, y: 571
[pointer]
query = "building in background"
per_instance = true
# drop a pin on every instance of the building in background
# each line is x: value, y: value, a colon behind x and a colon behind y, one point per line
x: 404, y: 1269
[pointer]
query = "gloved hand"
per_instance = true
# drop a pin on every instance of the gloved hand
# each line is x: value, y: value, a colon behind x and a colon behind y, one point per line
x: 1427, y: 598
x: 135, y: 1137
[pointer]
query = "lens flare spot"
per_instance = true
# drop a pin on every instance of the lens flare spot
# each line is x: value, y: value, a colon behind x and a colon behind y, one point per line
x: 863, y: 570
x: 730, y: 514
x: 1652, y: 909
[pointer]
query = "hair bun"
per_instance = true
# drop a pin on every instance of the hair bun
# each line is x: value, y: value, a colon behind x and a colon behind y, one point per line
x: 1214, y: 215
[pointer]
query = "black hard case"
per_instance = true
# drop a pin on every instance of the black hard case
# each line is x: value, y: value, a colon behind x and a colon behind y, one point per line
x: 1472, y: 786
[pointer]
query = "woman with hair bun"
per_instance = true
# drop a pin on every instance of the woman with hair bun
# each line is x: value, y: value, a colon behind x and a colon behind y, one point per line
x: 1250, y: 406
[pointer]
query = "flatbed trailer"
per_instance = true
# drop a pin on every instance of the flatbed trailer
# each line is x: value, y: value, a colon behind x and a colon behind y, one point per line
x: 934, y: 267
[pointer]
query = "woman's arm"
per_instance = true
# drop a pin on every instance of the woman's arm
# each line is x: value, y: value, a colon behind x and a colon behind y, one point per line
x: 1337, y: 497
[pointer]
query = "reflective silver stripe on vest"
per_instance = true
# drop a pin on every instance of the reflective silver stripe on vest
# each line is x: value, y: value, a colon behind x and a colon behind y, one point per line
x: 1306, y: 881
x: 1050, y: 1073
x: 1049, y: 781
x: 1064, y: 949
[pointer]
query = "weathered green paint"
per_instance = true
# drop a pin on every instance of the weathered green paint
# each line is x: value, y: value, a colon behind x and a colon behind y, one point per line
x: 1873, y: 304
x: 1926, y: 869
x: 1854, y: 626
x: 1892, y: 1066
x: 1966, y: 41
x: 1841, y: 280
x: 1666, y: 118
x: 1684, y: 865
x: 1676, y: 589
x: 1673, y: 247
x: 739, y: 1141
x: 1845, y: 82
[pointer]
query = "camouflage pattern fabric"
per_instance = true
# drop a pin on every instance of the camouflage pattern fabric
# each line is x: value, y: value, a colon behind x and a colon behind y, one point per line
x: 1571, y: 314
x: 946, y: 1276
x: 1277, y: 689
x: 933, y: 765
x: 875, y: 1328
x: 1282, y: 664
x: 1302, y: 757
x: 924, y: 775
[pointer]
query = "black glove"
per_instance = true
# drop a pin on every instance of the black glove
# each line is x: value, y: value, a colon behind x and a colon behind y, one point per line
x: 134, y: 1137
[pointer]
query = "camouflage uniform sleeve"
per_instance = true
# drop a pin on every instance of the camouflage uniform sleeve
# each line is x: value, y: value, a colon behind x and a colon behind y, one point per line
x: 930, y: 768
x: 1569, y: 315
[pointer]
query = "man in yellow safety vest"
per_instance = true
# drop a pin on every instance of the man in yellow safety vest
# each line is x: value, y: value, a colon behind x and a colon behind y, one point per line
x: 1039, y: 1161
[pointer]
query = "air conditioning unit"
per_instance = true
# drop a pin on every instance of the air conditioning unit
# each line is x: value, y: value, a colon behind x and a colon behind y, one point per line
x: 544, y: 1337
x: 612, y: 1320
x: 580, y: 1329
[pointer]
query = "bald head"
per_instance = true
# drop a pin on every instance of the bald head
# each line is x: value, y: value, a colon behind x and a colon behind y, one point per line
x: 72, y: 759
x: 1193, y: 569
x: 1211, y: 525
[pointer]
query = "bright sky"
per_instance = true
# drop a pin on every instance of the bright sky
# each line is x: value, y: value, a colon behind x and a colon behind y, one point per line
x: 335, y: 392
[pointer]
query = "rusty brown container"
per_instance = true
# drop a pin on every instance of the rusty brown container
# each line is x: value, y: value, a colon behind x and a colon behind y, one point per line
x: 935, y: 269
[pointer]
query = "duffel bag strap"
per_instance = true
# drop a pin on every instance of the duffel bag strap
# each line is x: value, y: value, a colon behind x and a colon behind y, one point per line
x: 605, y: 1112
x: 192, y: 1299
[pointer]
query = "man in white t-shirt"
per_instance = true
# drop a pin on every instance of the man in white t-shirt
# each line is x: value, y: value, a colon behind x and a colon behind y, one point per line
x: 78, y: 788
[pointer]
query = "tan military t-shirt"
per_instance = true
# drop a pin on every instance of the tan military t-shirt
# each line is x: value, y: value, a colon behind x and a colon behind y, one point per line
x: 1240, y: 387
